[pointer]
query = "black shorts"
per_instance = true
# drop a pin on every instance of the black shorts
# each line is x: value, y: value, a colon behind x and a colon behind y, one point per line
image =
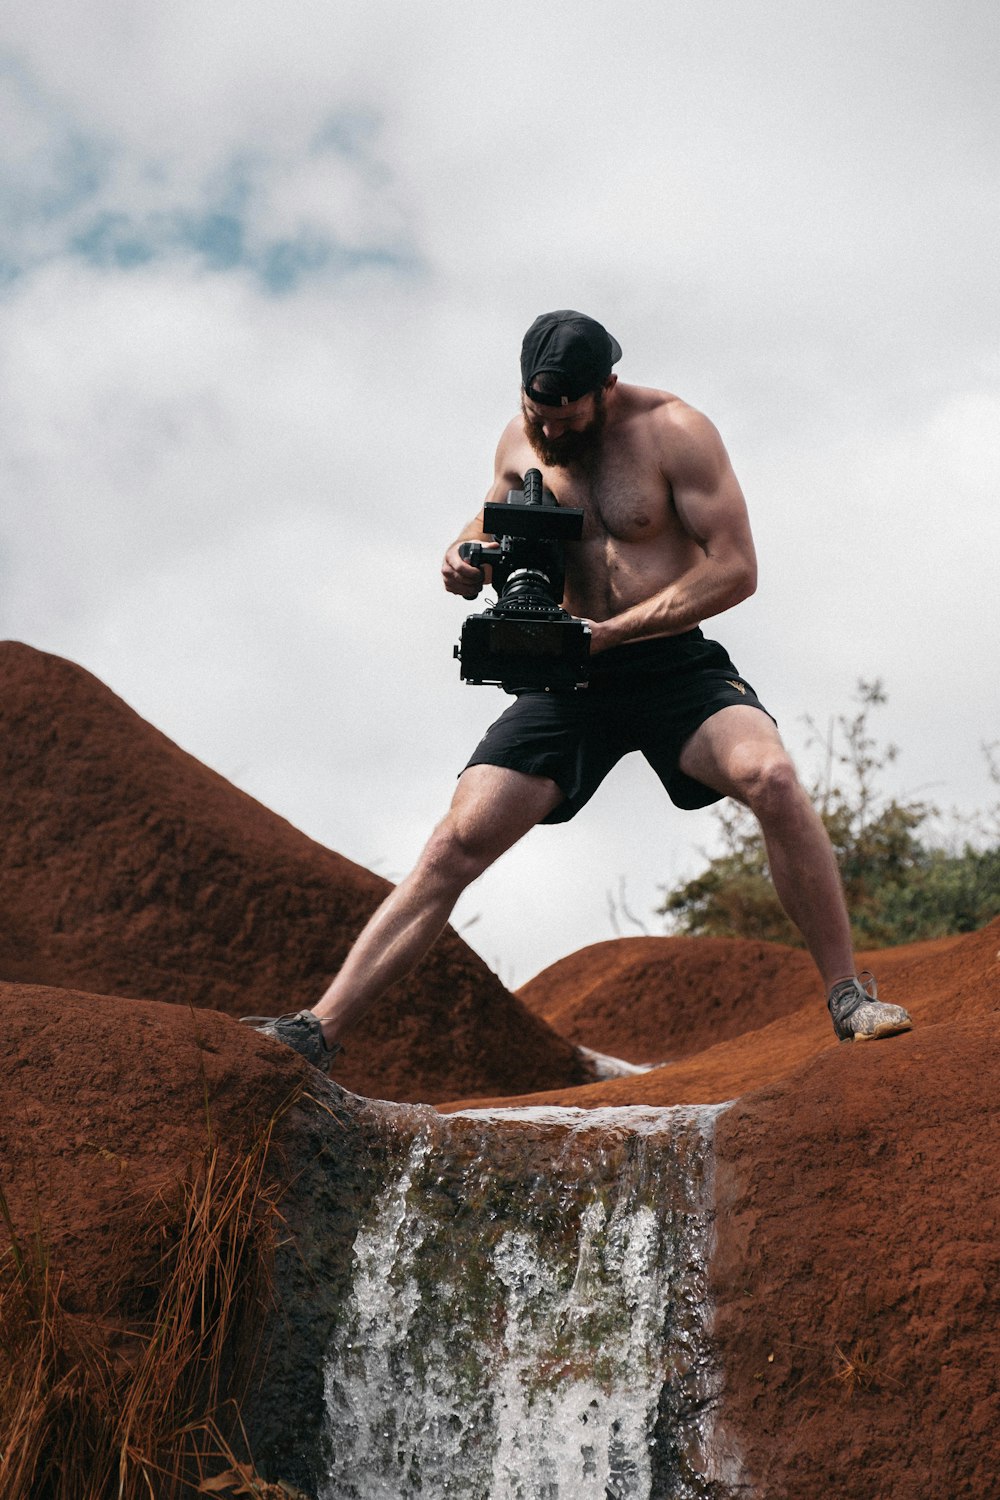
x: 649, y: 696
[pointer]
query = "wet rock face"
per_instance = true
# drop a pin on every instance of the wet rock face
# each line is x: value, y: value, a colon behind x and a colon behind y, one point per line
x: 527, y: 1312
x: 324, y: 1157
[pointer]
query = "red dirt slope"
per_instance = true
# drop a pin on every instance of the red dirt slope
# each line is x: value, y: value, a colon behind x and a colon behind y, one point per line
x: 857, y: 1269
x: 101, y: 1098
x: 120, y: 1124
x: 654, y: 999
x: 132, y: 869
x: 937, y: 982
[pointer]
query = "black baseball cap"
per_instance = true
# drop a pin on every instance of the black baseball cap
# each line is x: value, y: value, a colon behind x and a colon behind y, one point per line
x: 571, y: 347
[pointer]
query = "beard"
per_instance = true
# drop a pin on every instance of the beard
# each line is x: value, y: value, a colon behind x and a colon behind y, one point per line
x: 570, y: 447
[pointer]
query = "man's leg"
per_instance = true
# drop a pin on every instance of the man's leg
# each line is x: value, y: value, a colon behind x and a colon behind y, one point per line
x: 738, y: 752
x: 492, y: 808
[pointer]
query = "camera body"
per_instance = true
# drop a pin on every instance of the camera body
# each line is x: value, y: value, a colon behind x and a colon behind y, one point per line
x: 526, y: 640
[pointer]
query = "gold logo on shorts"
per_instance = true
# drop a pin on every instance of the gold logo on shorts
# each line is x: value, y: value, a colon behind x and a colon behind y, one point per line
x: 739, y: 686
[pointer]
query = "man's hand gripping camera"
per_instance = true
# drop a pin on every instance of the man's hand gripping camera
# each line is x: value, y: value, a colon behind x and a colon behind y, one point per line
x: 526, y: 640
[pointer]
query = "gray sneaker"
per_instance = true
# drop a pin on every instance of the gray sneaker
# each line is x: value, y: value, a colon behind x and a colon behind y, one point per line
x: 859, y: 1015
x: 302, y: 1032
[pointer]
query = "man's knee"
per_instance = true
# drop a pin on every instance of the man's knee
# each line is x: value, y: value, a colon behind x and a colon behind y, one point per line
x: 456, y: 854
x: 770, y: 785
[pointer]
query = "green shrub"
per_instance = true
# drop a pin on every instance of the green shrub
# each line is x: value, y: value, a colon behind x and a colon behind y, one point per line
x: 900, y: 884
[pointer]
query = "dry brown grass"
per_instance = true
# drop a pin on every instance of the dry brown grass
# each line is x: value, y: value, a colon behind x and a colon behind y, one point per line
x: 859, y: 1368
x: 145, y: 1407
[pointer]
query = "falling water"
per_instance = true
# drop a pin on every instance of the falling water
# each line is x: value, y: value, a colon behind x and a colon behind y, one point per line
x: 527, y: 1318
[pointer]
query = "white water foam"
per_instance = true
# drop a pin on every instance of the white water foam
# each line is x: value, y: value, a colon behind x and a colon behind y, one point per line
x: 528, y: 1313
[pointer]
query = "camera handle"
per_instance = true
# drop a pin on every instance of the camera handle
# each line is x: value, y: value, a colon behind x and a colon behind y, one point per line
x: 532, y: 492
x: 477, y: 553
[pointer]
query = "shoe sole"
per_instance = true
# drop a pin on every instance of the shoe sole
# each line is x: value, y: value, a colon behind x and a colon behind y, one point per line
x: 888, y: 1028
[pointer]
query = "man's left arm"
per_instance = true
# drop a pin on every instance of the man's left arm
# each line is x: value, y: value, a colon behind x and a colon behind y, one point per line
x: 712, y: 511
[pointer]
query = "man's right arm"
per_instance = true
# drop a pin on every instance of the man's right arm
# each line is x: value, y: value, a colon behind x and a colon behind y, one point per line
x: 459, y: 576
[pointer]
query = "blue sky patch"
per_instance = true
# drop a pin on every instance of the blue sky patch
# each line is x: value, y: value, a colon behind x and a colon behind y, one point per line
x: 113, y: 242
x: 68, y: 196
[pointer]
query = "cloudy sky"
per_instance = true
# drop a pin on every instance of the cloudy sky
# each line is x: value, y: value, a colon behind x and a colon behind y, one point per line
x: 264, y: 273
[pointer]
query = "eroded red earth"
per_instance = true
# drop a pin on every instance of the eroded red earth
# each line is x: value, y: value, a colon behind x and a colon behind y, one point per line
x: 146, y: 902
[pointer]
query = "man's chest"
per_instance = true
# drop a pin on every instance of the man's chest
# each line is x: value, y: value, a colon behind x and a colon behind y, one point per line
x: 621, y: 495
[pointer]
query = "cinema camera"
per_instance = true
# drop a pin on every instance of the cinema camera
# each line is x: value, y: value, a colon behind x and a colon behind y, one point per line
x: 526, y: 640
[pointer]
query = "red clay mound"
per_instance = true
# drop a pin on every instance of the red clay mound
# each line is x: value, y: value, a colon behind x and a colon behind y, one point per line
x: 938, y: 982
x: 141, y: 1147
x: 856, y: 1270
x: 102, y: 1098
x: 653, y: 999
x: 132, y: 869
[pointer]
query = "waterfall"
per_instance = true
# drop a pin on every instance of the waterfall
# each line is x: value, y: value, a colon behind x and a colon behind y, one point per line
x: 527, y: 1319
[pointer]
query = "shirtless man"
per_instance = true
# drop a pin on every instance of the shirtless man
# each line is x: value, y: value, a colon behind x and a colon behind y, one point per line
x: 666, y: 545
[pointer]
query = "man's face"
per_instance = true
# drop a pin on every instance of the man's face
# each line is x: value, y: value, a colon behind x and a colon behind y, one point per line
x: 562, y: 435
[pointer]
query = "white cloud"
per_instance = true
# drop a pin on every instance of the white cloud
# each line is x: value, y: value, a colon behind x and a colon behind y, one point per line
x: 231, y: 505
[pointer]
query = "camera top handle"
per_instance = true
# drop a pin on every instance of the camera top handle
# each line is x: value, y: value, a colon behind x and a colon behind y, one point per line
x: 532, y: 492
x: 525, y: 516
